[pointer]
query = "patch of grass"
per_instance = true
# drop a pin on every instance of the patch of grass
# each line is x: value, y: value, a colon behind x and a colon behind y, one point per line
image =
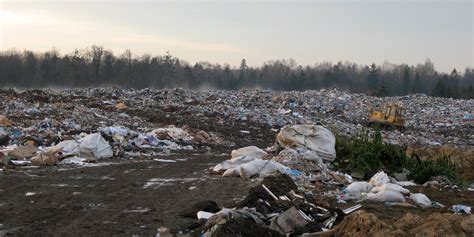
x: 367, y: 156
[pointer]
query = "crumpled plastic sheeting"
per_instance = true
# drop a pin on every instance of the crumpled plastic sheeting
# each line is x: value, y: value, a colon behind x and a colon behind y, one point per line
x: 380, y: 178
x: 232, y: 163
x: 314, y: 137
x: 246, y: 167
x: 300, y: 159
x: 92, y: 146
x: 386, y: 196
x: 390, y: 187
x: 420, y: 199
x: 249, y: 151
x: 227, y: 214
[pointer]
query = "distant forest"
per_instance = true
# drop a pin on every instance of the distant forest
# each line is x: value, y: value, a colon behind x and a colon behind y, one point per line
x: 97, y: 67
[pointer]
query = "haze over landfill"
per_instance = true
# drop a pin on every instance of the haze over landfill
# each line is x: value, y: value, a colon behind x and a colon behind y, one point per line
x: 236, y: 118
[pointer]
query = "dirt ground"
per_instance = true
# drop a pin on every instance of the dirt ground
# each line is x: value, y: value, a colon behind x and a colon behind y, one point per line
x: 135, y: 197
x: 126, y: 198
x: 118, y: 197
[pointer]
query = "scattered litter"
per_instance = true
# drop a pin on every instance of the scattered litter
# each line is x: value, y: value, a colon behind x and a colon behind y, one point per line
x: 379, y: 179
x: 390, y: 187
x: 138, y: 210
x: 386, y: 196
x: 165, y: 182
x: 164, y: 160
x: 204, y: 215
x: 420, y: 199
x: 461, y: 209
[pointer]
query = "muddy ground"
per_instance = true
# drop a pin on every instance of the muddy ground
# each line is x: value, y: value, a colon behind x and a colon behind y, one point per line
x: 135, y: 197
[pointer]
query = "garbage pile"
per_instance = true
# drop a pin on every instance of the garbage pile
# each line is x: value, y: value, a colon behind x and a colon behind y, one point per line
x: 301, y: 152
x: 290, y: 202
x: 275, y: 207
x: 381, y: 189
x: 33, y: 148
x: 278, y: 203
x: 430, y: 121
x: 46, y: 127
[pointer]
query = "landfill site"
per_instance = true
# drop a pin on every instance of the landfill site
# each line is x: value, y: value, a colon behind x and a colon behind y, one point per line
x: 129, y: 162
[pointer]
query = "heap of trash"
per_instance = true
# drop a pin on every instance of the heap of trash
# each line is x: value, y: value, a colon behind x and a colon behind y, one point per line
x: 430, y: 121
x: 287, y: 200
x: 296, y: 191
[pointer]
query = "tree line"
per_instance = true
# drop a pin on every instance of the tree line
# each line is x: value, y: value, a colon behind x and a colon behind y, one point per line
x: 98, y: 67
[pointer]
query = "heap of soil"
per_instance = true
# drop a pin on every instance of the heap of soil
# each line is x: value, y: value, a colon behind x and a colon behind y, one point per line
x: 362, y: 223
x: 436, y: 224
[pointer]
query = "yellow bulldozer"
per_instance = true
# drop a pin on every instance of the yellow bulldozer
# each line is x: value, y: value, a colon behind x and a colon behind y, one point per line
x: 389, y: 116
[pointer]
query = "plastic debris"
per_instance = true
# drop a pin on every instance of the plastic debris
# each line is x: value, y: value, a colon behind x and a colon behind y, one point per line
x: 390, y: 187
x: 314, y: 137
x: 386, y: 196
x: 461, y: 209
x: 250, y: 151
x: 359, y: 187
x: 379, y: 179
x: 420, y: 199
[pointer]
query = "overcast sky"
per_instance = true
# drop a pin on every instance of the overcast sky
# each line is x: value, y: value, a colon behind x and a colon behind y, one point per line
x: 226, y: 31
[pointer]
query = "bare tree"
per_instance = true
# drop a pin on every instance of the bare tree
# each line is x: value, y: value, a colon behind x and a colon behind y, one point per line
x: 96, y: 53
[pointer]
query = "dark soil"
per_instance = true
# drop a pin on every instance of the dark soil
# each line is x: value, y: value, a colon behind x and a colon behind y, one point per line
x: 111, y: 199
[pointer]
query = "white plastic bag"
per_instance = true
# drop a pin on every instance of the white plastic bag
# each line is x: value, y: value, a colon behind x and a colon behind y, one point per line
x: 234, y: 172
x: 250, y: 151
x: 386, y: 196
x: 69, y: 147
x: 379, y: 179
x: 406, y: 183
x: 261, y: 167
x: 390, y: 187
x: 314, y: 137
x: 359, y: 187
x: 420, y: 199
x: 92, y: 146
x: 95, y: 146
x: 232, y: 163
